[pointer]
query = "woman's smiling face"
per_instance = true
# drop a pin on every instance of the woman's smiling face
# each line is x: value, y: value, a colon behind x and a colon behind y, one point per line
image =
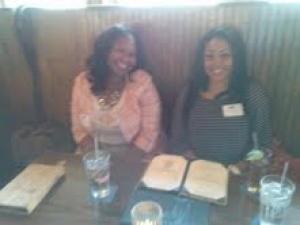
x: 122, y: 57
x: 218, y: 61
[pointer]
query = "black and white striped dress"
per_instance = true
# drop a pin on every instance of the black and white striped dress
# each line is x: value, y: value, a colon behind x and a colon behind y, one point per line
x: 216, y: 137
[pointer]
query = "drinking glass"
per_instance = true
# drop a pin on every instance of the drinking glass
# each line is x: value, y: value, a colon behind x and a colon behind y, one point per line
x: 256, y: 170
x: 97, y: 168
x: 146, y: 213
x: 275, y: 198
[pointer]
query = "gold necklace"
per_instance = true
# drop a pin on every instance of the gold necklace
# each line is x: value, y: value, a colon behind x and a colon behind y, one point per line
x: 108, y: 100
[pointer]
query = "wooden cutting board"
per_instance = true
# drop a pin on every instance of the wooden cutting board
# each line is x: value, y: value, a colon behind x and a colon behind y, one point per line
x: 23, y: 194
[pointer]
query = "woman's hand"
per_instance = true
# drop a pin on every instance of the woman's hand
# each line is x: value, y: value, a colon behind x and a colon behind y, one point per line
x: 84, y: 145
x: 239, y: 168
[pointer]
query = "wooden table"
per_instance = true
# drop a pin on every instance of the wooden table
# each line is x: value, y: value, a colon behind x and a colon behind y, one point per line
x: 68, y: 202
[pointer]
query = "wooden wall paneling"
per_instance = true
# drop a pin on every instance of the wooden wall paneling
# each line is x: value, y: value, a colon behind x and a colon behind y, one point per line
x: 291, y: 137
x: 60, y: 53
x: 15, y: 76
x: 170, y: 36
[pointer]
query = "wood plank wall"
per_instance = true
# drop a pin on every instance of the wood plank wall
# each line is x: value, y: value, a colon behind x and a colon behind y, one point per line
x: 15, y: 77
x: 64, y: 39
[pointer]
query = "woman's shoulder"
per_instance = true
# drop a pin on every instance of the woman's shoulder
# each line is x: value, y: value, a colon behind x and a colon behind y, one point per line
x: 81, y: 77
x: 255, y: 87
x: 255, y: 91
x: 82, y: 80
x: 141, y: 77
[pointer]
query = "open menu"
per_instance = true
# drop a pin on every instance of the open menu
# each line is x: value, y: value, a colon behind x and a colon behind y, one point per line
x: 201, y: 179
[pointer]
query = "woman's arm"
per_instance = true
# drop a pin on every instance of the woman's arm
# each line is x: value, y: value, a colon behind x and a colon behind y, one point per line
x: 77, y: 110
x: 260, y: 119
x: 149, y: 102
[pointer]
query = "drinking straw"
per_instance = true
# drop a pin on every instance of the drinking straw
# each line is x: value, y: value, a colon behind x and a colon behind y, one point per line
x: 283, y: 175
x: 96, y: 145
x: 255, y: 141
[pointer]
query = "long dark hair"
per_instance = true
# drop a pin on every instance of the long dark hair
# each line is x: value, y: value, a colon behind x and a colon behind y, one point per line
x: 98, y: 70
x: 199, y: 81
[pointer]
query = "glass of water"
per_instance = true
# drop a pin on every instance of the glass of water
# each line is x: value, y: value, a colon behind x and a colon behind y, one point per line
x: 256, y: 170
x: 97, y: 168
x: 275, y: 198
x: 146, y: 213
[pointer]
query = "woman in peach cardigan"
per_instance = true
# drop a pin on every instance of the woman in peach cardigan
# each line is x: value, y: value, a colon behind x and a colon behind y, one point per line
x: 115, y: 98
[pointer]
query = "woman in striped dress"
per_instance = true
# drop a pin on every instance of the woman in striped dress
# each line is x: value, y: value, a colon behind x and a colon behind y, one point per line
x: 221, y: 107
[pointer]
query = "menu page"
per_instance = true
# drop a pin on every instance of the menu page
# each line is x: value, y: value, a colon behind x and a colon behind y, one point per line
x: 165, y: 172
x: 208, y: 180
x: 201, y: 179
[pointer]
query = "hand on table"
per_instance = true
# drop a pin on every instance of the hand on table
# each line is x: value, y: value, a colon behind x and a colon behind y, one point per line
x: 239, y: 168
x: 84, y: 145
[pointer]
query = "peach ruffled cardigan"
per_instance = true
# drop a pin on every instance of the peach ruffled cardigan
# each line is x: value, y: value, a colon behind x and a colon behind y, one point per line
x: 140, y: 114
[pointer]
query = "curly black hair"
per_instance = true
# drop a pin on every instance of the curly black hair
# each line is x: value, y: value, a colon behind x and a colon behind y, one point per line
x: 98, y: 70
x: 199, y: 81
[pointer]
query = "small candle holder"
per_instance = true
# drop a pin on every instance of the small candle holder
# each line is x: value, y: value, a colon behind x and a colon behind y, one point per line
x: 146, y: 213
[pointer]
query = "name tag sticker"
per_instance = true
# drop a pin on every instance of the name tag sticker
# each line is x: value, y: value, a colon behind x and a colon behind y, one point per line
x: 233, y: 110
